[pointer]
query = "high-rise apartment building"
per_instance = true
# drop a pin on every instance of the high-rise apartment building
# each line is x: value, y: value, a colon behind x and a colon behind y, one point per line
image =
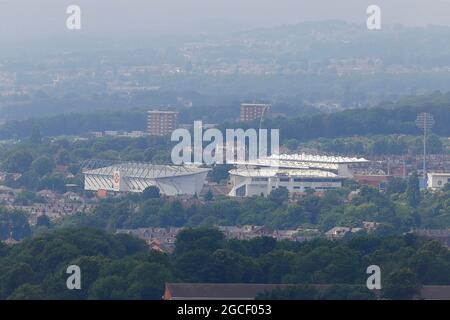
x: 253, y: 111
x: 162, y: 123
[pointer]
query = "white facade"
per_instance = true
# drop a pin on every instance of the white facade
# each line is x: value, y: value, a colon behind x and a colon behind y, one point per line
x: 254, y: 182
x: 296, y: 172
x: 133, y: 177
x: 438, y: 180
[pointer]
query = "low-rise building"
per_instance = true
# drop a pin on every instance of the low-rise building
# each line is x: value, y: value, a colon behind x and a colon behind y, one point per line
x: 338, y: 233
x: 437, y: 180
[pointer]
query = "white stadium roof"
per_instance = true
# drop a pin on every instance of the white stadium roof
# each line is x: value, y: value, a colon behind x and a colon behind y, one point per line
x: 301, y: 161
x: 303, y: 157
x: 146, y: 170
x: 267, y: 172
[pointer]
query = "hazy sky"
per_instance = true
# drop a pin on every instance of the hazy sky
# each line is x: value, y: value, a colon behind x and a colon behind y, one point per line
x: 38, y: 19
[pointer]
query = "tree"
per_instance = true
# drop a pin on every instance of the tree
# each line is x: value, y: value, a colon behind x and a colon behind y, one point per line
x: 35, y: 137
x: 446, y: 187
x: 279, y: 195
x: 198, y: 239
x: 413, y: 190
x: 434, y: 144
x: 401, y: 284
x: 18, y: 275
x: 209, y: 196
x: 18, y: 161
x: 147, y: 280
x: 151, y: 192
x: 27, y: 291
x: 63, y: 157
x: 43, y: 165
x: 109, y: 288
x: 54, y: 182
x: 396, y: 185
x: 13, y: 222
x: 220, y: 172
x: 43, y: 221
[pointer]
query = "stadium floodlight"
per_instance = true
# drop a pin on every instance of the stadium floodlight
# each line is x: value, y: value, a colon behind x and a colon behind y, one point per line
x: 425, y: 121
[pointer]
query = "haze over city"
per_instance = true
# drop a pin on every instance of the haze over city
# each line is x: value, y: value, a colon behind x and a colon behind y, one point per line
x: 46, y: 18
x: 235, y: 150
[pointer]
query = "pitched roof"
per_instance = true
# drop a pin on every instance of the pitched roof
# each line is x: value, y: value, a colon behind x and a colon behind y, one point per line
x: 220, y: 291
x: 435, y: 292
x: 249, y: 291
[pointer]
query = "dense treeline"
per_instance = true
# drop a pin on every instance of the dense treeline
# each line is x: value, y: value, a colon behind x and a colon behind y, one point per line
x: 76, y: 123
x: 401, y: 208
x: 13, y: 223
x: 122, y: 267
x: 386, y: 118
x: 375, y: 145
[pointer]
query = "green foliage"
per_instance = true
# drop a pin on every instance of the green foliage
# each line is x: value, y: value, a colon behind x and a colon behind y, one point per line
x: 113, y: 267
x: 279, y: 195
x: 401, y: 284
x: 18, y: 161
x: 396, y: 185
x: 35, y: 137
x: 26, y: 198
x: 413, y: 190
x: 334, y: 208
x: 151, y: 192
x: 383, y: 120
x: 219, y: 172
x: 15, y: 223
x: 209, y: 196
x: 43, y: 165
x: 43, y: 221
x: 122, y: 267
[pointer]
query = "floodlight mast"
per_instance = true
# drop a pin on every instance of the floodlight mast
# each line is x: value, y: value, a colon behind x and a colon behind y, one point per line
x: 425, y: 121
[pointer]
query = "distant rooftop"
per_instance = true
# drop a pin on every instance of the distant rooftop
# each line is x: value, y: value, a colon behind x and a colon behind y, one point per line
x: 442, y: 174
x: 268, y: 172
x: 146, y: 170
x: 300, y: 161
x: 161, y: 111
x: 317, y: 158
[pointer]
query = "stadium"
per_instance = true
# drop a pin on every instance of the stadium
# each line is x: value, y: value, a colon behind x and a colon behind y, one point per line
x: 135, y: 177
x: 296, y: 172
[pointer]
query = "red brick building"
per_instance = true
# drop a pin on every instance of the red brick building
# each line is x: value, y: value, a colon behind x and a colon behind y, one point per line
x: 162, y: 123
x: 253, y: 111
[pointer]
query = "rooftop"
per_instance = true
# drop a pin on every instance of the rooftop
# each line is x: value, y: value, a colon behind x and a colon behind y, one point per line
x: 268, y: 172
x: 165, y: 112
x: 249, y: 291
x: 303, y: 157
x: 442, y: 174
x: 301, y: 161
x: 255, y: 104
x: 146, y: 170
